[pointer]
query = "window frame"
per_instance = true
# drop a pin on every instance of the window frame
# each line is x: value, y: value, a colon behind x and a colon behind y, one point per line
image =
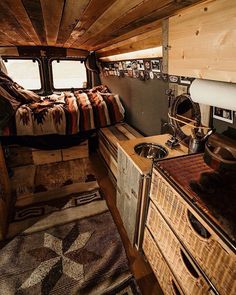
x: 38, y: 91
x: 51, y: 73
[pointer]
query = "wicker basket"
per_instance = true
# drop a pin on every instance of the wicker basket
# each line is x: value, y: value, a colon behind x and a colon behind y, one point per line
x: 162, y: 272
x: 217, y: 260
x: 189, y: 277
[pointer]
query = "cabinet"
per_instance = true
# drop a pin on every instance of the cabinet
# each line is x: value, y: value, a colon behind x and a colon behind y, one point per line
x: 132, y: 187
x: 201, y: 41
x: 109, y: 137
x: 196, y: 256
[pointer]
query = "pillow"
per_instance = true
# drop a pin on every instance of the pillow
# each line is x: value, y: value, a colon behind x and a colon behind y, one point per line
x: 100, y: 88
x: 25, y: 95
x: 15, y: 90
x: 8, y: 106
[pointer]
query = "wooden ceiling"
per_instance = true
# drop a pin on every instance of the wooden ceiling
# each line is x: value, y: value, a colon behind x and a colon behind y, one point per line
x: 107, y: 26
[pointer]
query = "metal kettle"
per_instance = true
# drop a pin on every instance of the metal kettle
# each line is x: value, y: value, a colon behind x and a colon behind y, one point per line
x: 197, y: 142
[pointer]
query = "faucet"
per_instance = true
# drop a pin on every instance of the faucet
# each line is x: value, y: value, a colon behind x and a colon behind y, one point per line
x: 172, y: 142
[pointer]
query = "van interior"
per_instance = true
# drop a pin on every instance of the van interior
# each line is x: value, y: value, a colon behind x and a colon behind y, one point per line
x: 118, y: 147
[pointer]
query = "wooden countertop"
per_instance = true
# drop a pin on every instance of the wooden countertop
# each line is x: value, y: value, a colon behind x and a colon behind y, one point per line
x: 144, y: 165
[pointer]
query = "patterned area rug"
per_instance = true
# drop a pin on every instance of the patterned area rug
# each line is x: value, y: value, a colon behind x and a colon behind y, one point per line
x: 73, y: 248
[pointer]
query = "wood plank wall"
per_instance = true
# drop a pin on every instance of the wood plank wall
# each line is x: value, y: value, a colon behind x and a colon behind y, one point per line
x: 202, y: 41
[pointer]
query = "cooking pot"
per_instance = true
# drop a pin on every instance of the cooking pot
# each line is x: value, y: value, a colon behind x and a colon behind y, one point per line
x: 220, y: 153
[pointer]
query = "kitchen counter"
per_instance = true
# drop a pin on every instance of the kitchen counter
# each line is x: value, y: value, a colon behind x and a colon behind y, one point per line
x: 144, y: 165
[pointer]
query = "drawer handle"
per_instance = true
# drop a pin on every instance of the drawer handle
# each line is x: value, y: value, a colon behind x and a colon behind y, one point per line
x: 175, y: 288
x: 197, y: 226
x: 189, y: 265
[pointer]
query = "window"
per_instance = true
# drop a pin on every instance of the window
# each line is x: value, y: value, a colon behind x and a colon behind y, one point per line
x: 25, y: 72
x: 69, y: 74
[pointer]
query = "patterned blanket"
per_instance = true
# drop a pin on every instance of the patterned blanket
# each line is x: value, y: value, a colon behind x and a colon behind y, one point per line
x: 67, y: 113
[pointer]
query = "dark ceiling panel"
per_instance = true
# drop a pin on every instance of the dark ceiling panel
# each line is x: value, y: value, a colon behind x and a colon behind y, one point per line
x: 34, y: 11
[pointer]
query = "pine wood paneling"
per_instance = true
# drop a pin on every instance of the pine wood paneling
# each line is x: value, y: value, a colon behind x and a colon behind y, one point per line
x: 72, y: 13
x: 17, y: 9
x: 12, y: 51
x: 147, y: 40
x: 10, y: 26
x: 85, y: 24
x: 202, y: 41
x: 52, y: 13
x: 126, y: 22
x: 136, y: 32
x: 5, y: 40
x: 107, y: 18
x: 34, y: 11
x: 90, y: 15
x: 142, y: 14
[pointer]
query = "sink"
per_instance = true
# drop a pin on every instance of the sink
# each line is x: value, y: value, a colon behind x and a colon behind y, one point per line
x: 151, y: 150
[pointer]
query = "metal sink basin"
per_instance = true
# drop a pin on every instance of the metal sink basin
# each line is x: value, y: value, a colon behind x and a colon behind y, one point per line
x: 151, y: 150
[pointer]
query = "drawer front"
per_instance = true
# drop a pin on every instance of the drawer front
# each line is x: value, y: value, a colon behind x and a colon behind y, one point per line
x: 217, y: 261
x: 76, y: 152
x: 182, y: 266
x: 162, y: 272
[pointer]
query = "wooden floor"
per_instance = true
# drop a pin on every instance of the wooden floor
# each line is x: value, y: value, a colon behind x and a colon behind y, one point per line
x: 141, y: 269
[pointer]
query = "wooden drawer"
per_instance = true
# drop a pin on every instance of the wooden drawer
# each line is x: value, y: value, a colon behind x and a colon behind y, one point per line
x: 22, y: 156
x: 161, y: 270
x: 214, y: 257
x: 46, y: 157
x: 184, y: 269
x: 76, y: 152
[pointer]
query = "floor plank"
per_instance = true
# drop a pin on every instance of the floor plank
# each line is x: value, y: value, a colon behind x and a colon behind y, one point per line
x: 141, y: 269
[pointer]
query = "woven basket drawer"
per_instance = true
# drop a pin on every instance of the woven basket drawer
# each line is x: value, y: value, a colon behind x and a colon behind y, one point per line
x: 191, y: 280
x: 214, y: 257
x: 162, y: 272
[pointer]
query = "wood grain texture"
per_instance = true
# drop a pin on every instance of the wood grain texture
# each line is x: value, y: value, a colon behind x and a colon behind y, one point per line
x: 34, y: 11
x: 142, y: 14
x: 85, y: 24
x: 202, y: 41
x: 11, y: 27
x: 17, y: 9
x: 52, y: 14
x: 75, y: 152
x: 72, y: 13
x: 90, y: 15
x: 132, y: 19
x: 107, y: 18
x: 146, y: 40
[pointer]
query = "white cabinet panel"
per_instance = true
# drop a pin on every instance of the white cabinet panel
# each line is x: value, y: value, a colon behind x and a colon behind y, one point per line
x: 129, y: 185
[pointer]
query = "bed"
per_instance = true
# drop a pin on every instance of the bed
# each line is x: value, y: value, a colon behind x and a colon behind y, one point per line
x: 24, y: 113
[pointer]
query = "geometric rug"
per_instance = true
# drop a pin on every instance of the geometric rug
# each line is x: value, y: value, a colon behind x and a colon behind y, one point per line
x: 73, y: 248
x: 28, y: 209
